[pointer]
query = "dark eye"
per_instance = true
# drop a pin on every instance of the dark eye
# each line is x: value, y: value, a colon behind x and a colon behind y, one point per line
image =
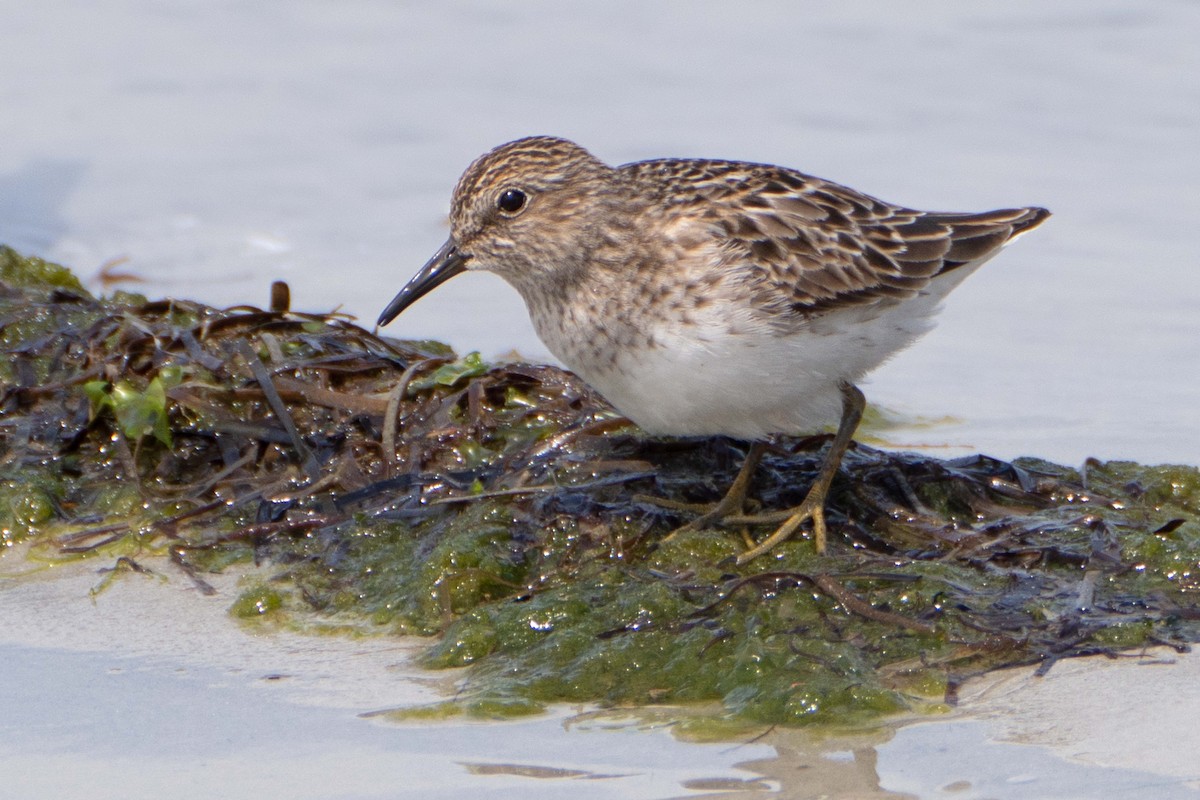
x: 511, y: 201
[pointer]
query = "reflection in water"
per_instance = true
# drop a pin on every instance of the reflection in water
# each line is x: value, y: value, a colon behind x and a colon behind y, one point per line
x: 809, y: 765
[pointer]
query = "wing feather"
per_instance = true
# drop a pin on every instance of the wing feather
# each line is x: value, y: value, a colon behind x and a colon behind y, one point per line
x: 805, y: 244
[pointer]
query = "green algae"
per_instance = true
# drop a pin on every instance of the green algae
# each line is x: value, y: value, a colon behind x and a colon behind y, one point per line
x: 35, y: 274
x: 140, y: 411
x: 503, y: 512
x: 256, y: 602
x: 24, y: 507
x: 471, y: 365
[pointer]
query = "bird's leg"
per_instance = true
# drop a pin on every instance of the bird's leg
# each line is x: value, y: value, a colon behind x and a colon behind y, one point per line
x: 734, y: 501
x: 813, y: 506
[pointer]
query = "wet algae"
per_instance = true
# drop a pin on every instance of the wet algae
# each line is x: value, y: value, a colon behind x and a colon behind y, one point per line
x: 392, y: 488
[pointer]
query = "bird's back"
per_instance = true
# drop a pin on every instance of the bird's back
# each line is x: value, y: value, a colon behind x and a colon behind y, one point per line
x: 808, y: 245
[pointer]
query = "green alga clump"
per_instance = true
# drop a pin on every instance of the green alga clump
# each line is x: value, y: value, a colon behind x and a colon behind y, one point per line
x: 36, y: 276
x: 380, y: 486
x: 24, y: 507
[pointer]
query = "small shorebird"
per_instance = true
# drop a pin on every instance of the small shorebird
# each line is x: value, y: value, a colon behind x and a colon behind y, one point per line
x: 706, y: 297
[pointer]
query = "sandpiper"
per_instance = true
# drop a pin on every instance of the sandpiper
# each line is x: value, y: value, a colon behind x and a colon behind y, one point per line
x: 707, y: 297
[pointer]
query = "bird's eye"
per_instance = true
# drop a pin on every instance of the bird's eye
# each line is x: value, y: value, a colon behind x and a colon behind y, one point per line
x: 511, y: 201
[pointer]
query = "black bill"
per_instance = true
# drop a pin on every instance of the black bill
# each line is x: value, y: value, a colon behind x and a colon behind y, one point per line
x: 445, y: 264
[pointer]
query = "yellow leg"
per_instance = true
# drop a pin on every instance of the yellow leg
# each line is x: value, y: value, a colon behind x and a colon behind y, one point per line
x: 813, y: 507
x: 734, y: 500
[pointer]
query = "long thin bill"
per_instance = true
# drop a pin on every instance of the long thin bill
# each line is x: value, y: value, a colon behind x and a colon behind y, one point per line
x: 445, y: 264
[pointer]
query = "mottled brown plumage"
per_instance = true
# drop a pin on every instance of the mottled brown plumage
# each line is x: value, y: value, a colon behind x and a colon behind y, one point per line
x: 711, y: 297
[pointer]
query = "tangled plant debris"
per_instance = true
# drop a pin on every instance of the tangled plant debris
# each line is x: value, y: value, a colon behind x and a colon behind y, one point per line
x: 392, y: 487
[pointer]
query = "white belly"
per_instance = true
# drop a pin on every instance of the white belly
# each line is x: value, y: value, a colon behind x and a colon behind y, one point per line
x: 702, y: 380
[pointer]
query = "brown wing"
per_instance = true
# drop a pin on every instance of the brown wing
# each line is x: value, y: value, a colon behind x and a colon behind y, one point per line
x: 807, y: 243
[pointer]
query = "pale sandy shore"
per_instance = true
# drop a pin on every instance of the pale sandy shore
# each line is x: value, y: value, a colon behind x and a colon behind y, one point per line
x: 1089, y: 728
x: 1138, y: 712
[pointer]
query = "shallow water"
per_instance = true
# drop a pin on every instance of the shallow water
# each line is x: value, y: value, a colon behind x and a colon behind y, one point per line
x: 149, y: 689
x: 214, y: 148
x: 136, y: 728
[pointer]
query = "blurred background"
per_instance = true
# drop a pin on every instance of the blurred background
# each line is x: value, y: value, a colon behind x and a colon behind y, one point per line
x: 210, y: 148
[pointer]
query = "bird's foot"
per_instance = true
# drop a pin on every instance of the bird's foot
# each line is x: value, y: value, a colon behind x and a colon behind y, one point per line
x: 813, y: 508
x: 734, y: 501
